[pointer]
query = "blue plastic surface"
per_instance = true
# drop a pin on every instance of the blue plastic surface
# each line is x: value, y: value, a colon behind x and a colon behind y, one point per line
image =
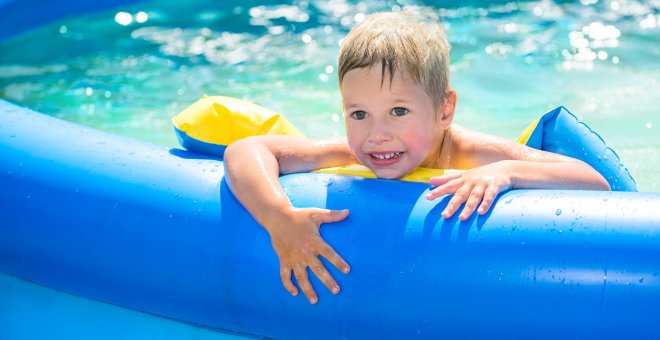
x: 559, y: 131
x: 156, y: 230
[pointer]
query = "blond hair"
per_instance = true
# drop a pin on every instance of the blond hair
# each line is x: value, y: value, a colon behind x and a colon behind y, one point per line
x: 404, y: 42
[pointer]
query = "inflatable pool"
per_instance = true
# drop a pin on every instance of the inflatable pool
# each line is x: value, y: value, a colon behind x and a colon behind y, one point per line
x: 156, y: 230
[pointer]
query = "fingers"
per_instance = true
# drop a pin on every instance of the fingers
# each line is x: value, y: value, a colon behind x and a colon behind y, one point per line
x: 300, y: 271
x: 440, y: 180
x: 472, y: 196
x: 460, y: 196
x: 285, y: 275
x: 444, y: 189
x: 301, y: 247
x: 489, y: 198
x: 330, y: 216
x: 309, y: 259
x: 319, y: 270
x: 334, y: 258
x: 476, y: 191
x: 473, y: 201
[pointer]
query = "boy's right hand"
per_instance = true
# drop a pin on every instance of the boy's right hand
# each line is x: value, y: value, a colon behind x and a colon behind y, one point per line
x: 298, y: 243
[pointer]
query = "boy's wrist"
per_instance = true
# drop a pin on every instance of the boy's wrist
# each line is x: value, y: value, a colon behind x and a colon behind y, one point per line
x: 275, y: 216
x: 511, y: 169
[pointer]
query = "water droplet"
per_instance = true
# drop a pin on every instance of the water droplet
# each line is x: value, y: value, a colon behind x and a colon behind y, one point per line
x: 558, y: 212
x: 641, y: 280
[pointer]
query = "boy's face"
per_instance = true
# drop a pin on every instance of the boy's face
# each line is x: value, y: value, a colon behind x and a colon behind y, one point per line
x: 391, y: 126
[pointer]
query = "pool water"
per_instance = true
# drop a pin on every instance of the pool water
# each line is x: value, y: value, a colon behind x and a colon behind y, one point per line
x: 30, y: 311
x: 130, y: 70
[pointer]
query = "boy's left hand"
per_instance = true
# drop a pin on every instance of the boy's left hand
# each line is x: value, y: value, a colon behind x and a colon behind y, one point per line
x: 472, y: 187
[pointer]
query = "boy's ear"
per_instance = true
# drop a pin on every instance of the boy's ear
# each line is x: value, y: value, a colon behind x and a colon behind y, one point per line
x: 447, y: 110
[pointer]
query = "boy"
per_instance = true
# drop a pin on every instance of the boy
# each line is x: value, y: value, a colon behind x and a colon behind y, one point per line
x: 398, y: 108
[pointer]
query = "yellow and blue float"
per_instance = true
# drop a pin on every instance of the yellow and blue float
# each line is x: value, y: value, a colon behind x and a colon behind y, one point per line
x: 155, y: 229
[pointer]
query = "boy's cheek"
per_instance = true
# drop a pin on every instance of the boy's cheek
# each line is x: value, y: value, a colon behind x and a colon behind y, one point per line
x: 353, y: 141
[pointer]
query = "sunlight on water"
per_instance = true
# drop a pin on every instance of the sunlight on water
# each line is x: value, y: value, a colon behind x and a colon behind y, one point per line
x: 130, y: 70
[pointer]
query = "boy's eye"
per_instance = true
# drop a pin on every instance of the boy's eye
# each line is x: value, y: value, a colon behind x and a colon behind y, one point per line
x: 359, y: 115
x: 399, y: 111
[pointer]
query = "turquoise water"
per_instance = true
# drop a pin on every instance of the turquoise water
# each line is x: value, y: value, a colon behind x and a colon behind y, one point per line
x: 510, y: 62
x: 30, y: 311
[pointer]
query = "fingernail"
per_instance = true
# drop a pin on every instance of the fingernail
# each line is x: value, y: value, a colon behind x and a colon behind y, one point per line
x: 335, y: 290
x: 313, y: 300
x: 346, y: 270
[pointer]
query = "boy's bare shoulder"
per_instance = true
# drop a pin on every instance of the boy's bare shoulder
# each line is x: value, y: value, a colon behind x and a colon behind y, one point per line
x: 470, y: 140
x: 471, y: 148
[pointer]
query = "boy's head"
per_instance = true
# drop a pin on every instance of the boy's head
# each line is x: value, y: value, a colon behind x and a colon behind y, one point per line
x: 400, y: 42
x: 393, y: 74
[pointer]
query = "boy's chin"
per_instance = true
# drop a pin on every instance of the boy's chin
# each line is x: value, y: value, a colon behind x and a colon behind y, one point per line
x: 388, y: 173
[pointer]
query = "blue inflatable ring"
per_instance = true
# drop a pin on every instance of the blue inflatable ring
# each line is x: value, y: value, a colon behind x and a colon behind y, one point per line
x: 156, y: 230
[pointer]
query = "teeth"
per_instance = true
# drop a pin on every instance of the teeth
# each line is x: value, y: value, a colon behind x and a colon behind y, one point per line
x: 386, y: 155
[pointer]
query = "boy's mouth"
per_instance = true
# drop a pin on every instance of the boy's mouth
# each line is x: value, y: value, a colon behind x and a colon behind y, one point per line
x: 385, y: 158
x: 386, y: 155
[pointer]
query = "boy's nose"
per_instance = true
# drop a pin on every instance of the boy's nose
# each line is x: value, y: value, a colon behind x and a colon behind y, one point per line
x: 379, y: 133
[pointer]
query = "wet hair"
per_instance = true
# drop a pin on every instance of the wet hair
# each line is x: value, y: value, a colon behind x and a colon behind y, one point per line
x: 400, y: 42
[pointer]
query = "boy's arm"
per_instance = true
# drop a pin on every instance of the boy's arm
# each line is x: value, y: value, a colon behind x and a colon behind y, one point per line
x: 500, y: 165
x: 253, y: 166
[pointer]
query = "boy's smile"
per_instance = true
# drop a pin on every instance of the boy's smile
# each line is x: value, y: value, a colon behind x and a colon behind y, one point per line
x: 391, y: 124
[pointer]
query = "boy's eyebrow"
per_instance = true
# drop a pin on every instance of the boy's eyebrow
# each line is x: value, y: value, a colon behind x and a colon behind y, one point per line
x: 397, y: 101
